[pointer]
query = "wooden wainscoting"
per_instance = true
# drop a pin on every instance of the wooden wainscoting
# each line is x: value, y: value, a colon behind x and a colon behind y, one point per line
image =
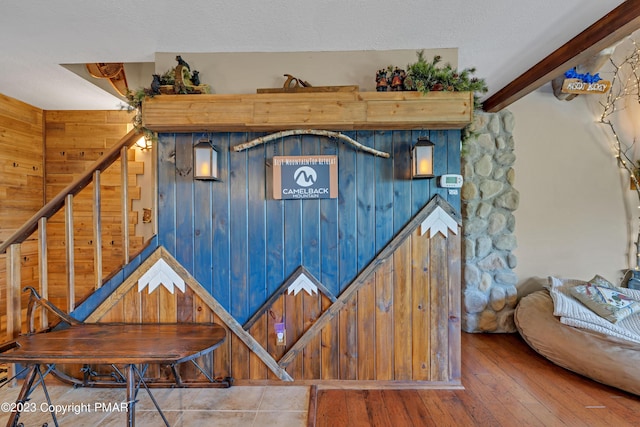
x: 164, y: 304
x: 397, y: 322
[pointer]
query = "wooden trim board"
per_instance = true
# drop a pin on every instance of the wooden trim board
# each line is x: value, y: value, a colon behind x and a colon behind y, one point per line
x: 330, y: 111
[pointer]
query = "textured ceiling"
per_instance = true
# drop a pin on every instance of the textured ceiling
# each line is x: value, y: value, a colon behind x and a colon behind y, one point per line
x: 501, y: 38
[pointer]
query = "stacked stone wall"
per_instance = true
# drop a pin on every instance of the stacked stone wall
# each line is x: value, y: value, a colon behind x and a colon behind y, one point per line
x: 488, y: 201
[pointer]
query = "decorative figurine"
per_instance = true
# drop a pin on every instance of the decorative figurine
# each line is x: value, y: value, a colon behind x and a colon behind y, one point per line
x: 182, y: 62
x: 177, y: 80
x: 294, y: 82
x: 195, y: 78
x: 397, y: 79
x: 155, y: 84
x: 382, y: 81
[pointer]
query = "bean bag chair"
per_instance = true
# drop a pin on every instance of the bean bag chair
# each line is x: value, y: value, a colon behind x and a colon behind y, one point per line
x: 604, y: 358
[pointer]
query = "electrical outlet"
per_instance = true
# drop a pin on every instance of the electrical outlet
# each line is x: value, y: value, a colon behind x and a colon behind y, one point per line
x: 281, y: 334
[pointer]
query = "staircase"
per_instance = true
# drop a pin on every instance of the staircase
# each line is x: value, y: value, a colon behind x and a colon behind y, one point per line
x: 73, y: 257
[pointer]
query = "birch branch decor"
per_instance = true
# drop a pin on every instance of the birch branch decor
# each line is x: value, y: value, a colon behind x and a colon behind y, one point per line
x: 327, y: 133
x: 625, y: 87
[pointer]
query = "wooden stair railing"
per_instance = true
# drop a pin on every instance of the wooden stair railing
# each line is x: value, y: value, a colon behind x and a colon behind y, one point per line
x: 38, y: 222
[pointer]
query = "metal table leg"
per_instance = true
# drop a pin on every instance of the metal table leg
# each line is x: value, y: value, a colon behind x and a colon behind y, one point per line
x: 131, y: 396
x: 27, y: 388
x: 133, y: 387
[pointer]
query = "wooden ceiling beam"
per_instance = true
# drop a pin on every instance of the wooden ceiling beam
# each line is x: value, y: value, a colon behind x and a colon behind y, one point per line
x: 610, y: 29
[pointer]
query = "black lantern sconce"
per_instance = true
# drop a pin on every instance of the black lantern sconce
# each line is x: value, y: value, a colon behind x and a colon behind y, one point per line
x: 422, y: 158
x: 205, y: 161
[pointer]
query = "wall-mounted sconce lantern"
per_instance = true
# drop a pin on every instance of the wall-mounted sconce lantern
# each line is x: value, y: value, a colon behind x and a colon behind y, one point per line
x: 205, y: 160
x: 144, y: 143
x: 422, y: 158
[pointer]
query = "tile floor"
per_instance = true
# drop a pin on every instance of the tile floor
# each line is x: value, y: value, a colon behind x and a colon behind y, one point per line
x: 282, y: 406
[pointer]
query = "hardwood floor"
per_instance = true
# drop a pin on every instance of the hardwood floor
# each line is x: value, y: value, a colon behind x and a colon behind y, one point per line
x: 506, y: 384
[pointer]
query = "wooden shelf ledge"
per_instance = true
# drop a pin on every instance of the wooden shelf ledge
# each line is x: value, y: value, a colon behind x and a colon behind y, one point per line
x: 270, y: 112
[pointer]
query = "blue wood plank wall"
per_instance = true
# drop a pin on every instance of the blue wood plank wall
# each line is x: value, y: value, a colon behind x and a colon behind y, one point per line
x: 241, y: 244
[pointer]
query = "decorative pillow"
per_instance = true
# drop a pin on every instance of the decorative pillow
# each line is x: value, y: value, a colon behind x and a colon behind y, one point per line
x: 559, y: 283
x: 601, y: 281
x: 606, y: 302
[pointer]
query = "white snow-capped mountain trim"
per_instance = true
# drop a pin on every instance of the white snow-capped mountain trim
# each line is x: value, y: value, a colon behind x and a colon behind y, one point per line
x: 439, y: 221
x: 302, y: 282
x: 161, y: 273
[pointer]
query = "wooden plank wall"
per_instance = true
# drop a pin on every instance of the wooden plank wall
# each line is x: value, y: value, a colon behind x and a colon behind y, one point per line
x: 74, y: 140
x: 162, y: 306
x: 241, y: 245
x: 21, y: 180
x: 399, y: 327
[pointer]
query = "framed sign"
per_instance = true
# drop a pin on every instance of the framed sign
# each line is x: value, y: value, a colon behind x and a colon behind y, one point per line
x: 305, y: 177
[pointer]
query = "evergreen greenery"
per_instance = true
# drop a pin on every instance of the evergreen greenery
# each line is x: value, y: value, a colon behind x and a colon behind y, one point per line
x: 425, y: 76
x: 134, y: 104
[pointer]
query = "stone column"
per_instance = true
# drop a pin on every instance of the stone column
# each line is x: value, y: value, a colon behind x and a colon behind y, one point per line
x: 488, y: 201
